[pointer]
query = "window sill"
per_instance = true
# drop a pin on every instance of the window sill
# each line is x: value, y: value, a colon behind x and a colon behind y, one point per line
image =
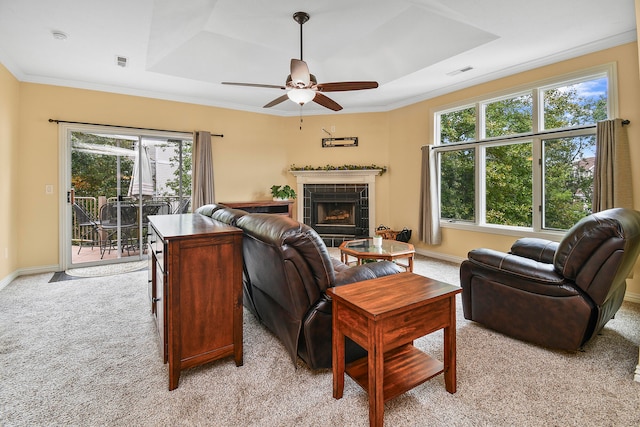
x: 517, y: 232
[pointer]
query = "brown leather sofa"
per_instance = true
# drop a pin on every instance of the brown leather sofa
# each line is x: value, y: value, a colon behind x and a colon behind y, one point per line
x: 557, y: 295
x: 287, y: 270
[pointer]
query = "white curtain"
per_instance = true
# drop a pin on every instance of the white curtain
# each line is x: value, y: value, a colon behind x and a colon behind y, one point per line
x: 429, y: 227
x: 612, y: 187
x: 203, y: 187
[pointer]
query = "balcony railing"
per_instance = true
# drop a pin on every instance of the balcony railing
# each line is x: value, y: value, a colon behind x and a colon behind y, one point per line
x: 91, y: 205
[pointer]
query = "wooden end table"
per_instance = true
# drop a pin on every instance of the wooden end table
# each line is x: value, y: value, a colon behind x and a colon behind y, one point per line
x: 384, y: 316
x: 390, y: 250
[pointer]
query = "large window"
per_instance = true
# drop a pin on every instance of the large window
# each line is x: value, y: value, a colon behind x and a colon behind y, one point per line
x: 523, y: 159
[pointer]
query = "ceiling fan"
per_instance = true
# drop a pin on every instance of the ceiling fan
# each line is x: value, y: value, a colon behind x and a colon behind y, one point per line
x: 302, y: 86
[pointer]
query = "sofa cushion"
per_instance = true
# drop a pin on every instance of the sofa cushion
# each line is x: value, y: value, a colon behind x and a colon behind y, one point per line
x: 208, y: 210
x: 228, y: 216
x: 582, y: 240
x: 282, y: 231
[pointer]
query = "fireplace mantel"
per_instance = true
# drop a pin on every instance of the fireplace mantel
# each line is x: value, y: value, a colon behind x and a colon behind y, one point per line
x: 336, y: 176
x: 356, y: 176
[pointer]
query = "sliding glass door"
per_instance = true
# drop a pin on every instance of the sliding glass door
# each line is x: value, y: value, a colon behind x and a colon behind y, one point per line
x: 115, y: 181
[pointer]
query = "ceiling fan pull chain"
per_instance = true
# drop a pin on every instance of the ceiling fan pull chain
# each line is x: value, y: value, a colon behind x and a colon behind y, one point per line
x: 300, y: 116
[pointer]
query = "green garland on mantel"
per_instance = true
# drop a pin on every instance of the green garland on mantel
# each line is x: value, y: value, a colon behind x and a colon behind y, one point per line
x: 383, y: 169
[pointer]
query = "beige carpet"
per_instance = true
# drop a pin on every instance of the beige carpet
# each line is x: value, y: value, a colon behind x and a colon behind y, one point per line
x: 84, y: 352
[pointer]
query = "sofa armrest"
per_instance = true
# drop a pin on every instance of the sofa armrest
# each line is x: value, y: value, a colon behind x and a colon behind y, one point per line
x: 516, y: 272
x: 541, y: 250
x: 521, y: 269
x: 367, y: 271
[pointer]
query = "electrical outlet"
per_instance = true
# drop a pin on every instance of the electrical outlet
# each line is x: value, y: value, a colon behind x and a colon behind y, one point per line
x: 333, y: 129
x: 48, y: 189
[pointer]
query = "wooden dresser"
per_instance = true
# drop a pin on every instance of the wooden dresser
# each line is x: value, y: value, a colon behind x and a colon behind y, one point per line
x: 195, y: 289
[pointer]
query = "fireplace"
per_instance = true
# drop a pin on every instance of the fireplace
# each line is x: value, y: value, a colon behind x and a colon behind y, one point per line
x: 339, y: 205
x: 338, y: 211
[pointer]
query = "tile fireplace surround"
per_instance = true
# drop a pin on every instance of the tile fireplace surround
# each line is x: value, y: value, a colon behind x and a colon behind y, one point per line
x: 363, y: 181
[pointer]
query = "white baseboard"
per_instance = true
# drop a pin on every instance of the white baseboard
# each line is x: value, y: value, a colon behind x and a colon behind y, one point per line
x: 440, y: 256
x: 27, y: 271
x: 628, y: 296
x: 4, y: 282
x: 632, y: 297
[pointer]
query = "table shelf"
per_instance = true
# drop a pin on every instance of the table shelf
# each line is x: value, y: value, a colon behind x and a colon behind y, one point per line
x: 404, y: 368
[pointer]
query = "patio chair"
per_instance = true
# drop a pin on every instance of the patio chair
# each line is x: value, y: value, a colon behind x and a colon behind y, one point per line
x: 109, y: 226
x: 183, y: 207
x: 89, y: 228
x: 154, y: 208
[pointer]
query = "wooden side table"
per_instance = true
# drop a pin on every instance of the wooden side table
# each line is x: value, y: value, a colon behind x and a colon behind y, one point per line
x: 384, y: 316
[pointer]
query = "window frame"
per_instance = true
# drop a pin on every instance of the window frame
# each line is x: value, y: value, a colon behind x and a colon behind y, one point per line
x: 65, y: 129
x: 536, y: 137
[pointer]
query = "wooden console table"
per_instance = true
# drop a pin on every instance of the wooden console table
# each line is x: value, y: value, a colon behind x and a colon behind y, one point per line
x: 384, y: 316
x: 280, y: 207
x: 195, y: 290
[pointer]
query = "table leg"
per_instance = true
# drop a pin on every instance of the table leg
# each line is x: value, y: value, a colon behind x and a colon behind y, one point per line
x: 338, y: 354
x: 450, y: 349
x: 411, y: 263
x: 375, y: 362
x: 174, y: 375
x: 238, y: 353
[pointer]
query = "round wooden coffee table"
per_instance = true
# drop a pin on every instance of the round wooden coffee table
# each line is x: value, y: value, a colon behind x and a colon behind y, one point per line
x: 391, y: 250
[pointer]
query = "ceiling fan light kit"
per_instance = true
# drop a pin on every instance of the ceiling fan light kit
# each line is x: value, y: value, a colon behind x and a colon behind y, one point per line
x: 302, y: 86
x: 301, y: 96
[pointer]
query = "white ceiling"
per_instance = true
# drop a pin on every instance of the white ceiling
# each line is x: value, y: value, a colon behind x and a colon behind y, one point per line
x: 182, y: 50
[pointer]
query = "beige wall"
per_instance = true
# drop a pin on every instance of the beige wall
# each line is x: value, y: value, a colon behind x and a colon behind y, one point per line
x: 250, y: 155
x: 372, y: 130
x: 257, y: 150
x: 412, y: 127
x: 9, y: 108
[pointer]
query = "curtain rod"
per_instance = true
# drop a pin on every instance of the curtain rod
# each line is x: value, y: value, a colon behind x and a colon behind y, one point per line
x: 125, y: 127
x: 524, y: 135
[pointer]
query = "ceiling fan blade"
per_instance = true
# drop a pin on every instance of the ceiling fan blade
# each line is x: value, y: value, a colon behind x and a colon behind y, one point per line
x: 300, y: 75
x: 277, y: 101
x: 344, y: 86
x: 325, y: 101
x: 255, y: 85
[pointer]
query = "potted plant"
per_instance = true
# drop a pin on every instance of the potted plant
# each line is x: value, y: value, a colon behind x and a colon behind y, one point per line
x: 282, y: 193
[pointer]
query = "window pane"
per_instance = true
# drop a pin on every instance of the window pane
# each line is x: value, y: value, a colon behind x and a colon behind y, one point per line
x: 457, y: 185
x: 100, y: 163
x: 458, y: 126
x: 568, y: 180
x: 509, y: 116
x: 509, y: 185
x: 578, y: 104
x: 173, y: 172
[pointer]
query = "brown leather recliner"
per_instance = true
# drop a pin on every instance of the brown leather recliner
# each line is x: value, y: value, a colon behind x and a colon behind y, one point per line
x: 289, y: 270
x: 557, y: 295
